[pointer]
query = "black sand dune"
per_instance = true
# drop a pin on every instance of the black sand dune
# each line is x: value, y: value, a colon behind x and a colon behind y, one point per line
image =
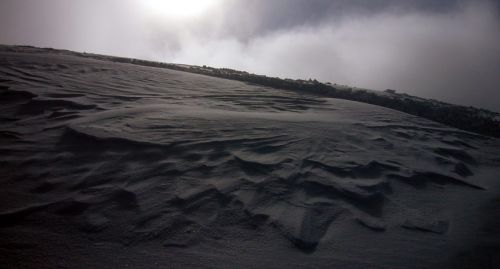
x: 108, y: 165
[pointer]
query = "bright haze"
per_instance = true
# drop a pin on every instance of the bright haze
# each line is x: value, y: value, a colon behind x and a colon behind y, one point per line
x: 446, y: 50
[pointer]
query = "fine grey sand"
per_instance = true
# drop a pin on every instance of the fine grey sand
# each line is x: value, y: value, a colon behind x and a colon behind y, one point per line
x: 109, y: 165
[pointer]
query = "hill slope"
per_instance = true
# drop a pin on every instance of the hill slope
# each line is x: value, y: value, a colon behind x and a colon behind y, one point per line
x: 110, y: 164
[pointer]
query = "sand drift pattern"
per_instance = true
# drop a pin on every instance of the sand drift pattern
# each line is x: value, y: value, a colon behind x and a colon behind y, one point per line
x: 138, y: 154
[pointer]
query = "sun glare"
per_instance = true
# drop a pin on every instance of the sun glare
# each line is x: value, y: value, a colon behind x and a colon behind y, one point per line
x: 178, y: 9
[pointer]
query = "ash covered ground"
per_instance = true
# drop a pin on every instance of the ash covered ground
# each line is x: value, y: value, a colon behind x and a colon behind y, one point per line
x: 107, y: 165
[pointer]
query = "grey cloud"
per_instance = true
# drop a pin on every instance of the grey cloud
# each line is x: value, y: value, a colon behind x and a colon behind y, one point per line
x: 452, y: 56
x: 246, y: 19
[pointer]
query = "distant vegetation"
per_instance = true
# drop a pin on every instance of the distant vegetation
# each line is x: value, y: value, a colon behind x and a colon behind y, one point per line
x: 467, y: 118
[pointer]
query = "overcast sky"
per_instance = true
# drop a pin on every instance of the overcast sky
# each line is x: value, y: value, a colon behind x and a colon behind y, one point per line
x: 447, y: 50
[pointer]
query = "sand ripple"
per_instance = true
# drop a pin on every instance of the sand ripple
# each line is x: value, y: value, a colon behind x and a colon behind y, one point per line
x: 152, y: 156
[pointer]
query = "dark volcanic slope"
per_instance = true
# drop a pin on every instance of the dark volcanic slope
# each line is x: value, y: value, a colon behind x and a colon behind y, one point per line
x: 107, y: 165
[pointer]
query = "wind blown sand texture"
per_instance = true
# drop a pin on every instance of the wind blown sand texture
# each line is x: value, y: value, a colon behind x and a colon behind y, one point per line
x: 106, y: 165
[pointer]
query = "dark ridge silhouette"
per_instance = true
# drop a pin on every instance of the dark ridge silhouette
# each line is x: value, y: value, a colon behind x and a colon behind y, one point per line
x: 468, y: 118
